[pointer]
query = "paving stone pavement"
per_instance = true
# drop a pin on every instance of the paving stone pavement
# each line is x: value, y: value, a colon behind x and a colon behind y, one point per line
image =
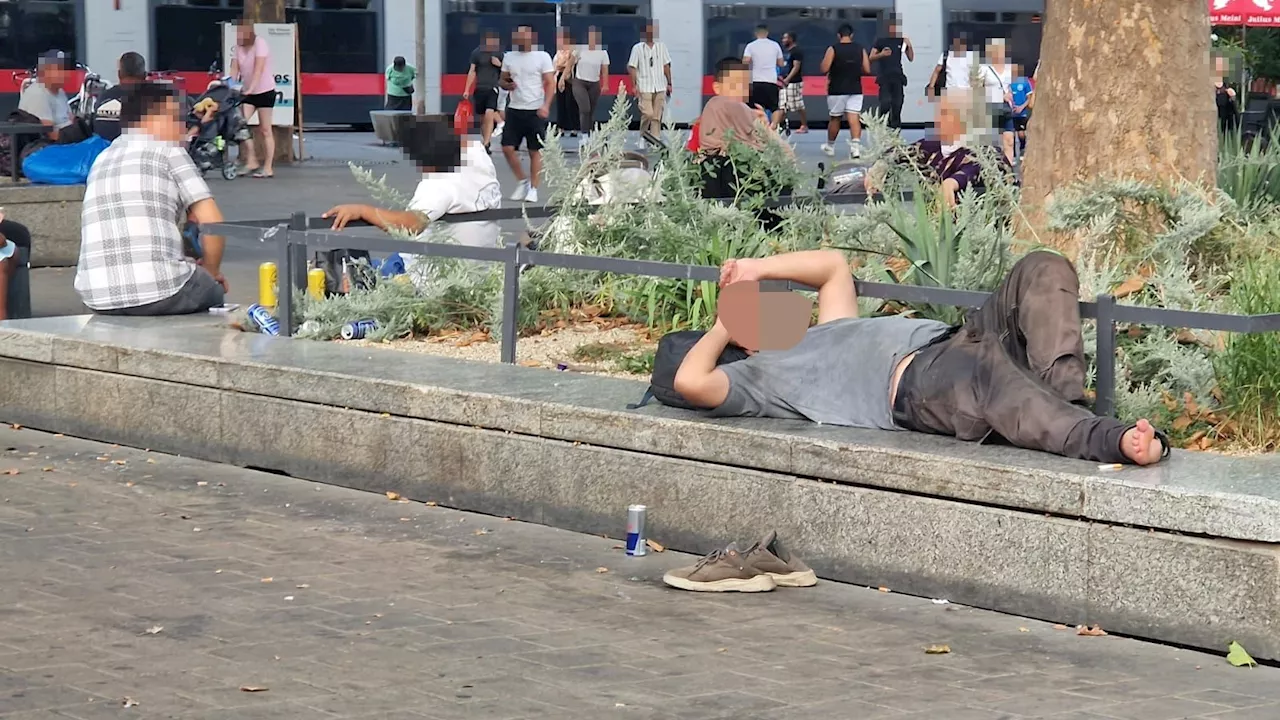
x: 177, y: 584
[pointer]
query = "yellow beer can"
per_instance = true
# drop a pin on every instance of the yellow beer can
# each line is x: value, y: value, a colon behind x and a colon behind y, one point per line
x: 268, y: 278
x: 316, y: 283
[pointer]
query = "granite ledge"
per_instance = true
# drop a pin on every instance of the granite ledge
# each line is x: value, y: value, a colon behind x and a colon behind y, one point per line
x: 1194, y: 493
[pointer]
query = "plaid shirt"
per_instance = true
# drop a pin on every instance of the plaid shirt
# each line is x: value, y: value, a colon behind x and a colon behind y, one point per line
x: 138, y: 193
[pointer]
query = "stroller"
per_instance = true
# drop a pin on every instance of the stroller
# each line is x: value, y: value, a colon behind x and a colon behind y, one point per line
x: 219, y: 123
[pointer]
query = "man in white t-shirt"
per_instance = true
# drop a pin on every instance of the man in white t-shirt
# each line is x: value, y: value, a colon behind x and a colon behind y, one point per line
x: 458, y: 176
x: 530, y: 77
x: 764, y: 57
x: 649, y: 68
x: 955, y: 68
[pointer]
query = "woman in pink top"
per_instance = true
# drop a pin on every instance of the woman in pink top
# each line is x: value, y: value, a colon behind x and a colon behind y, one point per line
x: 251, y: 65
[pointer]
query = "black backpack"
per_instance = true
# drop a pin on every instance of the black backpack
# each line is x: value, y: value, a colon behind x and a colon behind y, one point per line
x: 672, y: 349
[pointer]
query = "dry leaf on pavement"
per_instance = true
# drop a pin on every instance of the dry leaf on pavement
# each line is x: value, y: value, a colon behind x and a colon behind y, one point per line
x: 655, y: 546
x: 1095, y: 631
x: 937, y: 650
x: 393, y: 495
x: 155, y: 629
x: 481, y: 531
x: 253, y: 688
x: 1022, y: 629
x: 883, y: 589
x: 10, y: 471
x: 129, y: 702
x: 1059, y: 627
x: 201, y: 483
x: 268, y: 579
x: 430, y: 503
x: 602, y: 569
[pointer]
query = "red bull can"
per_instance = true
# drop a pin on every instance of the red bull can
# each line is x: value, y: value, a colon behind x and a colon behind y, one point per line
x: 635, y: 531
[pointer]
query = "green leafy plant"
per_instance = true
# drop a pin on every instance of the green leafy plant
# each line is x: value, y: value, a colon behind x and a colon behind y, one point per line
x: 1250, y: 174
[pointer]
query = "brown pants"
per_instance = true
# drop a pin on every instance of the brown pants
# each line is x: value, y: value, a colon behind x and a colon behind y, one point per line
x: 651, y: 107
x: 1016, y: 369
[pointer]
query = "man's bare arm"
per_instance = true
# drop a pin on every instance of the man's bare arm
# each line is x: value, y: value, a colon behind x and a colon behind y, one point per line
x: 827, y: 270
x: 206, y: 212
x: 697, y: 379
x: 909, y: 51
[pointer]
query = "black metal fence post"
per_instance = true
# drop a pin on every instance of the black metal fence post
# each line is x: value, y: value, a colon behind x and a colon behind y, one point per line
x: 285, y: 280
x: 510, y: 304
x: 1105, y: 403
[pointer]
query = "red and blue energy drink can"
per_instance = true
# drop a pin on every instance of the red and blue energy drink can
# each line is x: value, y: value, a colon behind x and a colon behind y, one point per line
x: 359, y: 329
x: 635, y: 531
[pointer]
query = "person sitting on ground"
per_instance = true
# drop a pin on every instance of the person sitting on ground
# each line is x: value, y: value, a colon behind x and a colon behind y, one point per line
x: 13, y: 237
x: 727, y: 118
x: 1015, y: 369
x: 458, y: 176
x: 131, y: 70
x: 139, y: 190
x: 45, y: 99
x: 945, y: 160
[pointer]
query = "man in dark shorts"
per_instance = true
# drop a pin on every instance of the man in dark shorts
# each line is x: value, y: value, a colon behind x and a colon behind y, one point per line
x: 886, y: 58
x: 764, y: 57
x: 1015, y: 370
x: 529, y: 76
x: 482, y: 84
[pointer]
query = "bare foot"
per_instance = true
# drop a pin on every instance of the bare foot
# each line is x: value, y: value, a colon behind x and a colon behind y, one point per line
x: 1141, y: 445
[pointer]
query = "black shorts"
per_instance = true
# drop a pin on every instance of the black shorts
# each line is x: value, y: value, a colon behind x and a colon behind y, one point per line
x: 484, y: 100
x: 523, y: 126
x: 765, y: 95
x: 262, y: 100
x: 1020, y: 123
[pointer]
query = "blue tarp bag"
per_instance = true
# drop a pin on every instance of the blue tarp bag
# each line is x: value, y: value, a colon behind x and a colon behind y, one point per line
x: 64, y: 164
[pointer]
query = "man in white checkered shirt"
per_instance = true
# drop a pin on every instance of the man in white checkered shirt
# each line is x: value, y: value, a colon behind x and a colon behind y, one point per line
x: 140, y: 190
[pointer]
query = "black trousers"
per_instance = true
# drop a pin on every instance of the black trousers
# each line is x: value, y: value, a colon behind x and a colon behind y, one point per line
x: 566, y: 110
x: 1015, y: 369
x: 890, y: 103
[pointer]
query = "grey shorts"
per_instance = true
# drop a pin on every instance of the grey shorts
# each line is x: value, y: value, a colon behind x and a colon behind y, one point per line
x: 200, y: 293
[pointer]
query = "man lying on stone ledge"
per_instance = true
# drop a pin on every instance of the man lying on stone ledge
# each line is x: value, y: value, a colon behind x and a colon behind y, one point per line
x: 1015, y: 369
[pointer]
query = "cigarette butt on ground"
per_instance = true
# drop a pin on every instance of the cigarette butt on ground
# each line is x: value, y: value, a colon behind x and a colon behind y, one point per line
x: 1110, y: 467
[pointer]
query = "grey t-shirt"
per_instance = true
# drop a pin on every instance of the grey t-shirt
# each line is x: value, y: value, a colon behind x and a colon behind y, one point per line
x: 839, y: 374
x: 48, y: 106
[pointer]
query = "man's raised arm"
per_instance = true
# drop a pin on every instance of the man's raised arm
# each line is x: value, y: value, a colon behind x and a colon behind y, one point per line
x: 826, y: 270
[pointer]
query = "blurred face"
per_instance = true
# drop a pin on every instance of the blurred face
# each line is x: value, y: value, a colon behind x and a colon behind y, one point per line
x: 995, y: 53
x: 894, y: 29
x: 562, y: 38
x: 243, y: 33
x: 491, y: 42
x: 523, y: 38
x: 53, y: 75
x: 735, y: 84
x: 787, y: 40
x: 1221, y: 66
x: 950, y: 121
x: 651, y: 31
x: 594, y: 38
x: 163, y: 122
x: 959, y: 45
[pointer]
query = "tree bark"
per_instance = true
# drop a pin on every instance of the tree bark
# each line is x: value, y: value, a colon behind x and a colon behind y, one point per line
x: 272, y: 11
x: 1124, y: 91
x: 420, y: 56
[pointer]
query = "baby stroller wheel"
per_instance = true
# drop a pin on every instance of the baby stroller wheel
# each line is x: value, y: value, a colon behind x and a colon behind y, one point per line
x: 229, y: 171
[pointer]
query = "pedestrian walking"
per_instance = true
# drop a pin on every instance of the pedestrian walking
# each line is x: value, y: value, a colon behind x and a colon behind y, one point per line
x: 650, y: 71
x: 793, y: 83
x: 590, y: 75
x: 844, y: 64
x: 565, y: 59
x: 482, y: 84
x: 997, y: 76
x: 886, y: 58
x: 529, y: 76
x: 954, y: 68
x: 764, y: 56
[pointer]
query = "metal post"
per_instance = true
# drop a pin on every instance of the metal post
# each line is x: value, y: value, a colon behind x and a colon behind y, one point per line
x: 510, y: 305
x: 1105, y: 404
x: 285, y: 274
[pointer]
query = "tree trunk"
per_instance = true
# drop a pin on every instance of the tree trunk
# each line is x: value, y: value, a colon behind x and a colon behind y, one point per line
x: 1124, y: 91
x: 420, y: 56
x: 272, y: 11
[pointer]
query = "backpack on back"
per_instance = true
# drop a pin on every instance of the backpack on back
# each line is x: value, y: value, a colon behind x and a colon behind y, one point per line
x: 672, y: 349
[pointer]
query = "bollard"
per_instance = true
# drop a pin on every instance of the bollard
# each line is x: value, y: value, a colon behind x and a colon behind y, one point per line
x: 268, y: 278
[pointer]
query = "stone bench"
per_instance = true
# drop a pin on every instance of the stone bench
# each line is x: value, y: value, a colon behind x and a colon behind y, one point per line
x: 386, y: 125
x: 52, y: 212
x: 1182, y: 552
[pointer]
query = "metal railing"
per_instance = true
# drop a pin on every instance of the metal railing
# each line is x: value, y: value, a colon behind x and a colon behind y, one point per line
x: 295, y: 237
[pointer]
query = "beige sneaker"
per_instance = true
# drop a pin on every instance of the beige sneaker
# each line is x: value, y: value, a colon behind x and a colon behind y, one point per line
x: 771, y: 557
x: 722, y: 571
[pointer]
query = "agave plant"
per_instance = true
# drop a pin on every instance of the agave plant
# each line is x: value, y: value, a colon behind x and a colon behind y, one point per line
x: 1250, y: 172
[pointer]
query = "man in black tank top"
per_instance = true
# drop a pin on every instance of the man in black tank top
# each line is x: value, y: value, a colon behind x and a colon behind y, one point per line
x: 845, y: 63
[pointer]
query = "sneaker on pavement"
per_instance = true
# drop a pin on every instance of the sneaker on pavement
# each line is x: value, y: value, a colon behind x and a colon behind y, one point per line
x: 855, y: 151
x: 532, y: 195
x: 722, y: 571
x: 772, y: 558
x: 828, y: 149
x: 522, y: 191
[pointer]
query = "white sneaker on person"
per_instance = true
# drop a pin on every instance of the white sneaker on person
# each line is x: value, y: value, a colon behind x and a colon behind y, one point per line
x: 522, y: 191
x: 532, y: 195
x: 828, y: 149
x: 855, y: 151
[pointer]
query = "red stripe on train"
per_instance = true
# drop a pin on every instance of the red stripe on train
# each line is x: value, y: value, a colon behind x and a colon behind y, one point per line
x: 349, y: 84
x: 196, y: 81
